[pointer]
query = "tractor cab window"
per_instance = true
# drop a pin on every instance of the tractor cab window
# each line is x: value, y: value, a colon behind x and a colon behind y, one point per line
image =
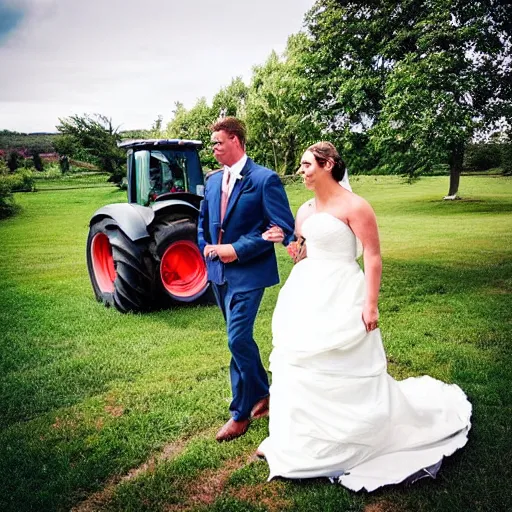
x: 167, y: 172
x: 142, y: 179
x: 163, y: 171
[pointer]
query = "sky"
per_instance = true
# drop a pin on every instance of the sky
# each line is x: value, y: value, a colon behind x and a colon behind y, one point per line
x: 130, y: 60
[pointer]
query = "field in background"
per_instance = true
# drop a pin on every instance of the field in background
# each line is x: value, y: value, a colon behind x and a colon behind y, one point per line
x: 53, y: 179
x: 102, y: 411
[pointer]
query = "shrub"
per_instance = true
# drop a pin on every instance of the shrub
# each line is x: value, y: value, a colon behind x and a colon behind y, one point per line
x: 7, y: 205
x: 506, y: 158
x: 38, y: 163
x: 51, y: 171
x: 440, y: 170
x: 64, y: 164
x: 13, y: 161
x: 27, y: 163
x: 482, y: 156
x: 22, y: 181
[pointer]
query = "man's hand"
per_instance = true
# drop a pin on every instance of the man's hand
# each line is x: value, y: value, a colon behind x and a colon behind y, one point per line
x: 225, y: 252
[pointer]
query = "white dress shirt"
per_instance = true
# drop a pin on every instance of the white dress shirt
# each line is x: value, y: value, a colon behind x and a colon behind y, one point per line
x: 234, y: 171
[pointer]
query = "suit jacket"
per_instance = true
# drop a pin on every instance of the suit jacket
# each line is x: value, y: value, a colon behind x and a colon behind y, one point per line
x: 257, y: 201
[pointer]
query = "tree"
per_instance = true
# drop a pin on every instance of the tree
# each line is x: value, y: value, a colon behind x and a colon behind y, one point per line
x: 506, y: 157
x: 418, y: 78
x: 279, y: 126
x: 194, y: 124
x: 68, y: 145
x: 266, y: 112
x: 231, y: 100
x: 97, y: 138
x: 13, y: 161
x: 64, y: 164
x: 38, y: 163
x: 156, y: 128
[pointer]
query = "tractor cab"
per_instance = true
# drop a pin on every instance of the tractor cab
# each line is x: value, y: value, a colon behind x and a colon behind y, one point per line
x: 161, y: 168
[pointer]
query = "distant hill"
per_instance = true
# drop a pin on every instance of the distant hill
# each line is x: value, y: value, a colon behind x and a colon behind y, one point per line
x: 42, y: 142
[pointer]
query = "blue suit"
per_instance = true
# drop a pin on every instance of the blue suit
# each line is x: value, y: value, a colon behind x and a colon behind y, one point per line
x: 257, y: 201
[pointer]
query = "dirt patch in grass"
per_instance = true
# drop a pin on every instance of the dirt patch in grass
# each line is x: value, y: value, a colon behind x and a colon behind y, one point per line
x: 270, y: 495
x: 114, y: 410
x: 64, y: 424
x: 207, y: 487
x: 383, y: 506
x: 96, y: 501
x: 500, y: 287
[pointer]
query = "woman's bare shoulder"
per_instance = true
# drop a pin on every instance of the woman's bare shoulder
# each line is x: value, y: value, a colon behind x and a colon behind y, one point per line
x: 307, y: 207
x: 304, y: 211
x: 359, y: 204
x: 360, y: 213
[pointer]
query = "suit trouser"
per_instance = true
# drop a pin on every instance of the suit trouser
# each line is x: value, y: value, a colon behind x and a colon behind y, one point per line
x: 249, y: 380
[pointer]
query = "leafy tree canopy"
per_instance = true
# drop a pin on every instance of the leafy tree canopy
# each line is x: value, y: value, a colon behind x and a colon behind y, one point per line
x: 95, y: 139
x: 279, y: 127
x: 193, y: 124
x: 417, y: 78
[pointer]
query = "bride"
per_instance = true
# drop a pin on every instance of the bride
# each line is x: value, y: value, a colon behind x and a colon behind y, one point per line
x: 334, y: 410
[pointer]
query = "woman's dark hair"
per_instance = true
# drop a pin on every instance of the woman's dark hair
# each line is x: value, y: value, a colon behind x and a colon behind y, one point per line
x: 232, y: 126
x: 325, y: 151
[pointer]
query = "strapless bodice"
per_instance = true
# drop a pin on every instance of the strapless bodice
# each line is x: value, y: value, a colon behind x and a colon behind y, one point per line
x: 328, y: 237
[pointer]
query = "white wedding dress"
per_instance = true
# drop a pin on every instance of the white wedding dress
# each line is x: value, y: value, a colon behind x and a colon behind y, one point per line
x: 334, y: 410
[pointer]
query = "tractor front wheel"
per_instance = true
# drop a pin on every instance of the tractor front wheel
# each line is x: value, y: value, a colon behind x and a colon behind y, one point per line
x: 181, y: 267
x: 119, y: 268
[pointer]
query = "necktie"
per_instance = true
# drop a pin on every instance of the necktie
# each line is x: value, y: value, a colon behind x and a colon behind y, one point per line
x: 225, y: 196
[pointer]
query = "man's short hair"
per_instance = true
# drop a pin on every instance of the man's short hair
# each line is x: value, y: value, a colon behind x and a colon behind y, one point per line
x: 232, y: 126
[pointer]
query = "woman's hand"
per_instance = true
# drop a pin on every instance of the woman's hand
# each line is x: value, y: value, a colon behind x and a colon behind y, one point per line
x: 297, y: 250
x: 275, y: 234
x: 371, y: 317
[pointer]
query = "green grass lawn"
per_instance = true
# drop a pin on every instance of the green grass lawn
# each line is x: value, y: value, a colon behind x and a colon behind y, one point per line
x: 103, y: 411
x: 55, y: 180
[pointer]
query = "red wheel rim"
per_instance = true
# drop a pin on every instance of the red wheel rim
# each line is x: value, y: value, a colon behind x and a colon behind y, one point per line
x: 103, y: 263
x: 182, y: 269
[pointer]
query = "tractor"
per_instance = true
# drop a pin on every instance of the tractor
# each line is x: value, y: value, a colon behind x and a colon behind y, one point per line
x: 143, y: 255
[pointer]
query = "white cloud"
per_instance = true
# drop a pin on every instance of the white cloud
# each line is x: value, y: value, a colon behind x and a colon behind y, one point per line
x: 132, y: 60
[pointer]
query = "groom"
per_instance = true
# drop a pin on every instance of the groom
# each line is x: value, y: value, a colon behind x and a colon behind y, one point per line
x: 241, y: 202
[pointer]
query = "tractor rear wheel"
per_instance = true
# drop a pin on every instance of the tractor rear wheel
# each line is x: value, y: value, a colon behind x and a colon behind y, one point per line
x: 120, y: 269
x: 180, y: 265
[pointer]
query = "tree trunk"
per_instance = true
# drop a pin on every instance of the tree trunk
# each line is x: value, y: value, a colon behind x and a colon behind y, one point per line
x: 290, y: 155
x: 454, y: 182
x: 275, y: 156
x: 456, y: 158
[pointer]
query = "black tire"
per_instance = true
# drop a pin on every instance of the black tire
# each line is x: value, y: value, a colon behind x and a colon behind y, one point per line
x: 126, y: 280
x: 174, y: 232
